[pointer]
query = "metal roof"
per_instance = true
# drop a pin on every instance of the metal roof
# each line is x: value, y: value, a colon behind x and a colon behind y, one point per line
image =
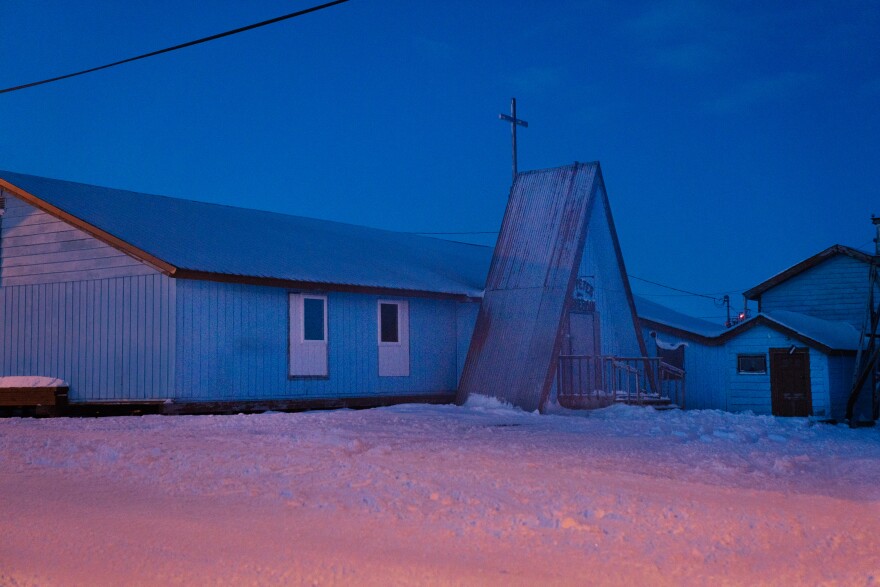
x: 659, y: 314
x: 516, y: 340
x: 194, y: 239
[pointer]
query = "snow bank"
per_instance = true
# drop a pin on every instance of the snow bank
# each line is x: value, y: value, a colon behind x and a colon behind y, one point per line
x: 483, y: 493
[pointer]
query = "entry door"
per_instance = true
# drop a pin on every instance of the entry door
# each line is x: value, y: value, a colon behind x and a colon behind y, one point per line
x: 582, y: 375
x: 790, y: 388
x: 583, y: 334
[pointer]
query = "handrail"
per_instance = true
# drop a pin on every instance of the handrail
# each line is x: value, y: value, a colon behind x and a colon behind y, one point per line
x: 621, y: 378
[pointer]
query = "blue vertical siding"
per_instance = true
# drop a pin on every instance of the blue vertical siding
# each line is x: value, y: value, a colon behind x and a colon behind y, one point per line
x: 747, y: 391
x: 836, y: 289
x: 705, y: 375
x: 108, y: 338
x: 232, y: 342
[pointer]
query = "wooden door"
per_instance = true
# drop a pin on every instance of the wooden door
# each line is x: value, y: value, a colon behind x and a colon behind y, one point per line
x: 580, y: 374
x: 790, y: 388
x: 583, y: 334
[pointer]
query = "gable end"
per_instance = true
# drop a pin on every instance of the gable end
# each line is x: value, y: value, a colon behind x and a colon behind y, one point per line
x: 37, y: 247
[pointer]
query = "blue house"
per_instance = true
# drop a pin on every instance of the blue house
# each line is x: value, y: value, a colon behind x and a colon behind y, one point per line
x: 139, y: 298
x: 795, y: 357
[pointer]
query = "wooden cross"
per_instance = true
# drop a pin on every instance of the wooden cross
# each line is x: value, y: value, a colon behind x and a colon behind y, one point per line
x: 514, y: 122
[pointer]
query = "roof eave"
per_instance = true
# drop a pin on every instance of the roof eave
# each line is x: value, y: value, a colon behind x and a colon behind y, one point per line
x: 323, y: 286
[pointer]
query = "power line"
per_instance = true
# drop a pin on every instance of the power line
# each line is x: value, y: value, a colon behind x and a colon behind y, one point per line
x: 176, y: 47
x: 466, y: 232
x: 684, y: 291
x: 714, y: 298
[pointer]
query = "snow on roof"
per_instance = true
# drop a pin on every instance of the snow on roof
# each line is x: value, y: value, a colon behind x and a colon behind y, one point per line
x: 835, y: 335
x: 838, y: 336
x: 661, y: 314
x: 30, y: 381
x: 228, y: 240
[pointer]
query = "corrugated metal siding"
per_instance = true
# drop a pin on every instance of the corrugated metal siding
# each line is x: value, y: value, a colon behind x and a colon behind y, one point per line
x: 836, y: 289
x: 232, y: 343
x: 705, y: 367
x: 512, y: 354
x: 599, y: 266
x: 752, y: 391
x: 37, y: 248
x: 109, y: 338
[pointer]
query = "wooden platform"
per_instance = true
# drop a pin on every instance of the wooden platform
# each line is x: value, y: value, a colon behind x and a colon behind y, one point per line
x: 40, y: 401
x: 102, y: 408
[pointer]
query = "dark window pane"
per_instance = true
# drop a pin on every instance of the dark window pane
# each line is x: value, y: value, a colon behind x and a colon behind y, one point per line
x: 751, y: 363
x: 313, y: 319
x: 388, y: 323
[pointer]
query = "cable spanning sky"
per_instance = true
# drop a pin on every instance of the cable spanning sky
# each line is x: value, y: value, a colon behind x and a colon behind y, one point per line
x: 735, y: 140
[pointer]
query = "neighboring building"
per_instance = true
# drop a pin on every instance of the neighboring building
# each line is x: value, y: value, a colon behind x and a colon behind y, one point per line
x: 796, y: 357
x: 131, y: 297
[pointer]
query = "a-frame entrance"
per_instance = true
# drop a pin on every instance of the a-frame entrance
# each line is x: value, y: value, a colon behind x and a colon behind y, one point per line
x: 580, y: 368
x: 790, y: 387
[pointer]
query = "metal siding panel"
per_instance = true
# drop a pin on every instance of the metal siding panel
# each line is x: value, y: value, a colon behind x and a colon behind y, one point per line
x: 512, y: 355
x: 256, y: 345
x: 73, y: 331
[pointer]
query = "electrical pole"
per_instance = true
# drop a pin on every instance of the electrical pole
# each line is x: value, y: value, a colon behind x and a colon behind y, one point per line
x: 514, y: 122
x: 868, y: 355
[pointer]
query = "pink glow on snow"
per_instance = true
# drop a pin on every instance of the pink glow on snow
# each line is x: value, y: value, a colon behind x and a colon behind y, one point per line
x: 439, y: 495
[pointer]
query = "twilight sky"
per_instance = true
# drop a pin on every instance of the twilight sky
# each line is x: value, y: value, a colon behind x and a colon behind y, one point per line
x: 736, y: 139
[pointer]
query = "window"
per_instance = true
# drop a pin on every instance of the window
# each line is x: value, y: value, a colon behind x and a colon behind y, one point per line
x: 751, y: 364
x: 389, y: 323
x: 393, y: 338
x: 308, y: 335
x: 313, y: 318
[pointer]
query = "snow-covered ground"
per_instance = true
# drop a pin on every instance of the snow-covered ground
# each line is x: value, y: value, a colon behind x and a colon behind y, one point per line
x: 415, y: 494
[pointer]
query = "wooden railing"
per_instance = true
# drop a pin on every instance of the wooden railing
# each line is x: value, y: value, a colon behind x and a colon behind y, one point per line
x: 594, y: 381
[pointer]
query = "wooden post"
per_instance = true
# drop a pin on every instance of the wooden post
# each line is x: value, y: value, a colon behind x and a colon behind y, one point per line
x: 514, y: 122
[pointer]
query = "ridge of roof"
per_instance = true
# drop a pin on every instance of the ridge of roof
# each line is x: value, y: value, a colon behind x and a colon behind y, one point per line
x: 804, y: 265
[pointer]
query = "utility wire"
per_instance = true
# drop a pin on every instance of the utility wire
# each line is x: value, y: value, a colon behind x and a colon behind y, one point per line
x: 683, y: 291
x: 467, y: 232
x: 176, y: 47
x: 674, y: 288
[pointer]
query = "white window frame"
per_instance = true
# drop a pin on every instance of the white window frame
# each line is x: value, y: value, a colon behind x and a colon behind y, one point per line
x: 306, y: 358
x: 394, y: 356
